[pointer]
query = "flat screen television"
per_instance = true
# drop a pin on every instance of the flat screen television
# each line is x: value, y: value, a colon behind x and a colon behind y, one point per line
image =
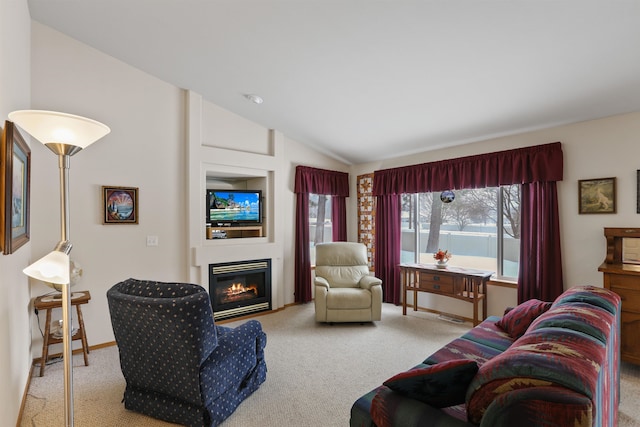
x: 234, y: 207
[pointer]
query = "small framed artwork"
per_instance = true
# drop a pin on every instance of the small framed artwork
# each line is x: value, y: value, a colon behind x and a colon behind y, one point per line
x: 597, y: 196
x: 15, y: 166
x: 120, y: 205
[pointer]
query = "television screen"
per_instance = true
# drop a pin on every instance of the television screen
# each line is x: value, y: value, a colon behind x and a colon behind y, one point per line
x: 234, y: 207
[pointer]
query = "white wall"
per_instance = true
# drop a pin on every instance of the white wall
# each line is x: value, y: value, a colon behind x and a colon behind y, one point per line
x: 222, y: 144
x: 145, y: 149
x: 15, y: 330
x: 593, y: 149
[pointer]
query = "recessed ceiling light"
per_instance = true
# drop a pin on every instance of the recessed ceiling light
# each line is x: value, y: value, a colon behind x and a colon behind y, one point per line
x: 254, y: 98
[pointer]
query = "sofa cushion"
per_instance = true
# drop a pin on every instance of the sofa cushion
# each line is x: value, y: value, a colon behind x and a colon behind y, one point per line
x: 348, y: 299
x: 600, y: 297
x: 441, y: 385
x: 586, y: 318
x: 517, y: 320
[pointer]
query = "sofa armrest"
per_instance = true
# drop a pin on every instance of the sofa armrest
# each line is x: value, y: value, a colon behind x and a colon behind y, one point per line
x: 366, y: 282
x: 539, y: 407
x: 321, y: 281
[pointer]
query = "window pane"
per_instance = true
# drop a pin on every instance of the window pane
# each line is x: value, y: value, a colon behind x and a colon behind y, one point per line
x: 320, y: 226
x: 408, y: 229
x: 480, y: 227
x: 510, y: 230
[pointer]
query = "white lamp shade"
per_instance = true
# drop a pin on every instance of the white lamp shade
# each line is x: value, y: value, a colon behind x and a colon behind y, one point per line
x: 53, y: 127
x: 52, y: 268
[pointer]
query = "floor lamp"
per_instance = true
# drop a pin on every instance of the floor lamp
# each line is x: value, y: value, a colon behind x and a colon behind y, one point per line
x: 65, y: 135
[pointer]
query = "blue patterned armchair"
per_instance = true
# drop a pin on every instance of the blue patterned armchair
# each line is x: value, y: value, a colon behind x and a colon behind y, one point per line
x: 178, y: 366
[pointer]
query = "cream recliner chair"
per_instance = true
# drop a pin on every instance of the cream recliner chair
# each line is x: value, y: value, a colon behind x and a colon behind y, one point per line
x: 345, y: 291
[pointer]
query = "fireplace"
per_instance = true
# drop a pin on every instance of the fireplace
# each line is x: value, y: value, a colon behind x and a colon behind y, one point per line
x: 240, y: 288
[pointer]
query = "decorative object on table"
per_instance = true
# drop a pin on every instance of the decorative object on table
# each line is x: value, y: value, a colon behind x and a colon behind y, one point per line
x: 119, y: 205
x: 15, y: 167
x: 447, y: 196
x: 442, y: 257
x: 596, y: 196
x: 65, y: 135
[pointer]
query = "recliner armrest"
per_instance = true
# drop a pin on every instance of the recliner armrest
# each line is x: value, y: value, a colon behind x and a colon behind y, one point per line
x: 231, y: 339
x: 321, y: 281
x: 366, y: 282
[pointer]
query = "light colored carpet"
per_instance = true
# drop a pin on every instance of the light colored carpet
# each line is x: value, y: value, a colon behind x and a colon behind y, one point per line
x: 315, y: 373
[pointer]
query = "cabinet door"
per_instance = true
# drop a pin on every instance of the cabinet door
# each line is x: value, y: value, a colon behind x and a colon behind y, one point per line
x: 630, y: 345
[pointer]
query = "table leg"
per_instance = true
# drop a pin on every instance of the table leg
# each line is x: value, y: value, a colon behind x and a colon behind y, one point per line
x: 484, y: 300
x: 45, y: 342
x: 404, y: 292
x: 83, y: 336
x: 474, y: 286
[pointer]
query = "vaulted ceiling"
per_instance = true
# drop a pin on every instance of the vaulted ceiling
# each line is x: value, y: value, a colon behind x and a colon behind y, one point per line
x: 364, y: 80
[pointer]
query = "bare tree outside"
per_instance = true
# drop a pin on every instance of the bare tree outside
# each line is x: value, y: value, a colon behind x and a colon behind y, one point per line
x: 435, y: 221
x: 511, y: 209
x: 322, y: 203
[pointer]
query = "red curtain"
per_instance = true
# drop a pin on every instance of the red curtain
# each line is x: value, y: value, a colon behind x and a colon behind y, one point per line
x: 519, y: 166
x: 302, y: 271
x: 317, y: 181
x: 338, y: 218
x: 388, y: 236
x: 541, y: 276
x: 540, y: 273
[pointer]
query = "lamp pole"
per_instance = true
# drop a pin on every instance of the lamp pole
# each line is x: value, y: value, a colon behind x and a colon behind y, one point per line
x: 67, y: 338
x: 64, y: 134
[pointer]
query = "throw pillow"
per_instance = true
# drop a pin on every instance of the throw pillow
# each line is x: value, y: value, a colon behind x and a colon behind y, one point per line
x: 517, y: 320
x: 440, y: 385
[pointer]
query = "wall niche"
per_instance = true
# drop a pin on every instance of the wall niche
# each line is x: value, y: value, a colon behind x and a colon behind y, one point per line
x: 235, y: 206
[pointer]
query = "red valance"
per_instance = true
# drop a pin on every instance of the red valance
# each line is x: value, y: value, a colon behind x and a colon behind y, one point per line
x: 321, y: 181
x: 540, y: 163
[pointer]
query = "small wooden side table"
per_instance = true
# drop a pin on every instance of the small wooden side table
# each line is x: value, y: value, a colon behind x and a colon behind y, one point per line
x: 49, y: 302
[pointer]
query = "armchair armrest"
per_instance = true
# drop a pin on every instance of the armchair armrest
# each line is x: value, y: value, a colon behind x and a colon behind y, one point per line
x: 321, y: 281
x: 366, y: 282
x: 232, y: 339
x: 239, y: 353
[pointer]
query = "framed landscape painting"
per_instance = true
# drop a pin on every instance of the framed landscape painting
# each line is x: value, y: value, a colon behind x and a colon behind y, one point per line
x: 120, y: 205
x: 15, y: 166
x: 597, y: 196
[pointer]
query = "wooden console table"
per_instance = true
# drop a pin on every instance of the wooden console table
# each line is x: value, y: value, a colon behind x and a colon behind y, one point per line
x: 454, y: 282
x: 48, y: 302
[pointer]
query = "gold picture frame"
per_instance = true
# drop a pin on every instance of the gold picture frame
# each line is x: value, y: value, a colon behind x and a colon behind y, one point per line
x: 119, y: 205
x: 15, y: 189
x: 597, y: 196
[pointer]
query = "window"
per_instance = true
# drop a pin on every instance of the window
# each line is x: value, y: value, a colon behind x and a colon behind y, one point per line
x: 320, y: 225
x: 480, y: 227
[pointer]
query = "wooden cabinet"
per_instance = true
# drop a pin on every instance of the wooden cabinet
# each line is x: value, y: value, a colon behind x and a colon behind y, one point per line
x: 234, y: 232
x: 460, y: 283
x: 624, y: 279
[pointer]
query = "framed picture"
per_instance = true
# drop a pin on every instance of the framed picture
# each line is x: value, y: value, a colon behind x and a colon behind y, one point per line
x: 15, y: 167
x: 119, y: 205
x: 597, y: 196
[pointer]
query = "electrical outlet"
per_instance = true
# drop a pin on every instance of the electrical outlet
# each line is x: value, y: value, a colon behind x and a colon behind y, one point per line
x: 152, y: 240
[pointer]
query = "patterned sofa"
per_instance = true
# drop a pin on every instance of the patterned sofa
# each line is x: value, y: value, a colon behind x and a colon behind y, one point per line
x: 541, y: 364
x: 179, y: 366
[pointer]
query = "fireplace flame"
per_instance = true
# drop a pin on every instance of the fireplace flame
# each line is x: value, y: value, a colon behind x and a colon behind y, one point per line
x: 239, y: 292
